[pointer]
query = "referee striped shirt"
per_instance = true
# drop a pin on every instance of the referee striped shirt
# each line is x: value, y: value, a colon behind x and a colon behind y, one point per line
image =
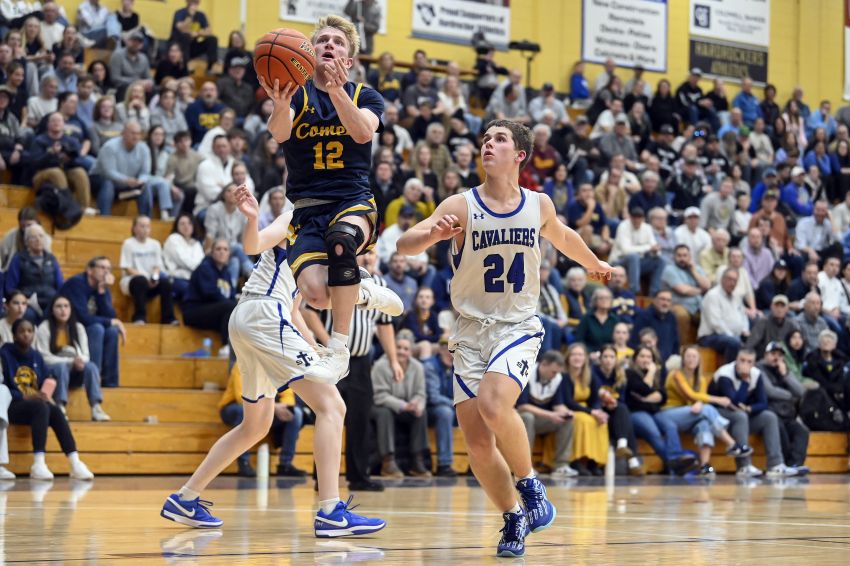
x: 363, y: 325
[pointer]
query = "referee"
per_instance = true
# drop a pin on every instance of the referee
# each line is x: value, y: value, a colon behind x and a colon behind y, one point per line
x: 356, y: 389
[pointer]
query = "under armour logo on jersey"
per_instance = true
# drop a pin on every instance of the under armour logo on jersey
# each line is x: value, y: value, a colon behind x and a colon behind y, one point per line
x: 311, y: 109
x: 476, y: 216
x: 523, y: 367
x: 305, y: 359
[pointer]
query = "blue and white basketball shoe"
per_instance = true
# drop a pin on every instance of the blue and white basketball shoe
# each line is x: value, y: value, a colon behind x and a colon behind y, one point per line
x: 541, y: 512
x: 194, y: 513
x: 512, y: 543
x: 341, y: 522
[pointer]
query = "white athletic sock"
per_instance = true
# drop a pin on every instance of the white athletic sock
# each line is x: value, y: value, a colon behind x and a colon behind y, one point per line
x: 515, y: 509
x: 187, y: 494
x: 622, y: 443
x: 74, y: 458
x: 531, y: 475
x: 634, y: 462
x: 338, y: 341
x: 38, y: 458
x: 328, y: 505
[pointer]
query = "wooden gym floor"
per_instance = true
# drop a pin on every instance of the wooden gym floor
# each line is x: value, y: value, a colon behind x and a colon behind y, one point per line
x: 656, y: 520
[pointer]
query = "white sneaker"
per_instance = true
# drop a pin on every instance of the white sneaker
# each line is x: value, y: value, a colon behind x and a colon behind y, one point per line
x: 80, y: 471
x: 89, y: 211
x: 749, y: 471
x: 224, y: 351
x: 381, y: 298
x: 781, y: 471
x: 330, y: 367
x: 40, y: 472
x: 6, y: 474
x: 564, y: 472
x: 99, y: 415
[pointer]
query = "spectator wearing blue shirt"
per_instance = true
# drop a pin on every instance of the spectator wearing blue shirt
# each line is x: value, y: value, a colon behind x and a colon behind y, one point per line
x: 422, y: 322
x: 747, y: 103
x: 586, y: 215
x: 770, y: 180
x: 399, y: 282
x: 543, y: 409
x: 204, y: 113
x: 821, y: 119
x: 625, y: 300
x: 210, y: 297
x: 92, y: 302
x: 736, y: 122
x: 34, y: 270
x: 741, y: 382
x: 191, y: 30
x: 53, y: 157
x: 66, y: 73
x: 24, y: 373
x: 658, y: 317
x: 439, y: 386
x: 647, y: 197
x: 796, y: 193
x: 579, y: 87
x: 818, y: 157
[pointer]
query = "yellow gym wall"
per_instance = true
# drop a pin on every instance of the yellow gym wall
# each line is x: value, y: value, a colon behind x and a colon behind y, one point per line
x: 806, y: 39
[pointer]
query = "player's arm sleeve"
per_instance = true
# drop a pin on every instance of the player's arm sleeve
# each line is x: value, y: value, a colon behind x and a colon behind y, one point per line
x: 371, y: 100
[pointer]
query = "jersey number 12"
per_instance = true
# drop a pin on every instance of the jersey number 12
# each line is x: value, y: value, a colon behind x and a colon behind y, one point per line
x: 496, y: 264
x: 331, y: 159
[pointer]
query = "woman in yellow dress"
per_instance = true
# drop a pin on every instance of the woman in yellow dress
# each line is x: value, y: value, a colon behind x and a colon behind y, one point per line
x: 590, y: 428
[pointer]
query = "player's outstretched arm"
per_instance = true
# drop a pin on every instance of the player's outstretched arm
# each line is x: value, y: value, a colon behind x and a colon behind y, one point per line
x: 280, y: 122
x: 447, y: 221
x: 360, y: 123
x: 568, y: 242
x: 254, y: 240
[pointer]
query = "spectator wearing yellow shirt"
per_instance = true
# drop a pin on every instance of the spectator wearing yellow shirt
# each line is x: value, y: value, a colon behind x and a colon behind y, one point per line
x: 412, y: 196
x: 692, y: 409
x: 621, y: 336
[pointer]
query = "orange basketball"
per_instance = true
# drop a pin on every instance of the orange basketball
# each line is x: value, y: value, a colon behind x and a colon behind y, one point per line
x: 286, y: 55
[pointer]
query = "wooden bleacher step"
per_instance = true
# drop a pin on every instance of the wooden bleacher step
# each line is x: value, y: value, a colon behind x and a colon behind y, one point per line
x: 131, y: 404
x: 171, y: 372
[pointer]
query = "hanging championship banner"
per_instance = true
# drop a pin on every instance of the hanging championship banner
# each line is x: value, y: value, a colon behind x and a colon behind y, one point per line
x: 631, y: 32
x: 730, y: 38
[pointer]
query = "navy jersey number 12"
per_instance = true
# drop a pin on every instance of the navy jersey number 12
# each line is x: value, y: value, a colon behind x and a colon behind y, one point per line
x: 496, y: 268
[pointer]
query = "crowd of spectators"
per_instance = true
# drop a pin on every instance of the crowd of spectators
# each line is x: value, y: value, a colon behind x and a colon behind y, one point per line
x: 728, y: 222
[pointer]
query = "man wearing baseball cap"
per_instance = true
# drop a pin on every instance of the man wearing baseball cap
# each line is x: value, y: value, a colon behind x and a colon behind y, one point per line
x: 784, y: 393
x: 233, y: 90
x: 662, y: 148
x: 796, y: 194
x: 773, y: 328
x: 690, y: 234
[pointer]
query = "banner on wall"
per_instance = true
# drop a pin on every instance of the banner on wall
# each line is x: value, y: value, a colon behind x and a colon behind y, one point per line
x: 730, y: 38
x: 846, y: 49
x: 631, y: 32
x: 455, y: 21
x: 309, y: 11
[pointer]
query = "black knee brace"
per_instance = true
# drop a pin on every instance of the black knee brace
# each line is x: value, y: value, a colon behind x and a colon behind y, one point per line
x: 342, y: 267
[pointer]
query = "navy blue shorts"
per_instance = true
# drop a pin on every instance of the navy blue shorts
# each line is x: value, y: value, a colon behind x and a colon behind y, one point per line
x: 309, y: 224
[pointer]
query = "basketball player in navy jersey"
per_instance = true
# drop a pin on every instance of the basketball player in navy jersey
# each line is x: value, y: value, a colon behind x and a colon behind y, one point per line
x: 273, y: 355
x: 326, y: 128
x: 495, y: 231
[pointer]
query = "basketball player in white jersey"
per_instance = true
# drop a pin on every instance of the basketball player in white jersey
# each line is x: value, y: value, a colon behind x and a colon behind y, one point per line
x: 496, y: 230
x: 272, y: 355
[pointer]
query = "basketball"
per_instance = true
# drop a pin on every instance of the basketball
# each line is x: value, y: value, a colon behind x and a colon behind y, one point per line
x: 286, y: 55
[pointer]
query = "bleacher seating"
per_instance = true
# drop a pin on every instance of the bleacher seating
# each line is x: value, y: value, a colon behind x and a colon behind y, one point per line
x: 157, y: 382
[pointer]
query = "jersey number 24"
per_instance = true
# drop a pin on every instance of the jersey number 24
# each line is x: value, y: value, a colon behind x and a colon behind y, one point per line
x: 495, y: 263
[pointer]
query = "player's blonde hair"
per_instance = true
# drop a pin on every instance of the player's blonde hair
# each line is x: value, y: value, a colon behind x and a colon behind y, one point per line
x: 343, y: 25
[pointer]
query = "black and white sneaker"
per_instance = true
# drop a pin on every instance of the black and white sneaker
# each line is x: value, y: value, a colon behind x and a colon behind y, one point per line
x: 706, y: 472
x: 740, y: 451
